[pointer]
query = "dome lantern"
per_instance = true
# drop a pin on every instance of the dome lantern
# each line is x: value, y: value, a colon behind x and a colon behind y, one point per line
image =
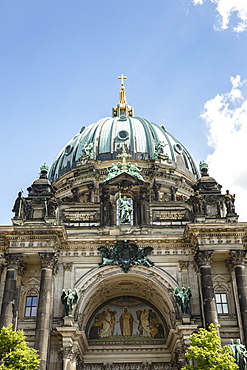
x: 122, y: 108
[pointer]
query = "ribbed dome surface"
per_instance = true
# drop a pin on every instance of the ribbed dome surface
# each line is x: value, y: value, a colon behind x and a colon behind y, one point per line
x: 107, y: 137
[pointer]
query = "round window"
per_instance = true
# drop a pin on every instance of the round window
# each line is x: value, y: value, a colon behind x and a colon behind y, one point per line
x: 178, y: 148
x: 68, y: 149
x: 123, y: 135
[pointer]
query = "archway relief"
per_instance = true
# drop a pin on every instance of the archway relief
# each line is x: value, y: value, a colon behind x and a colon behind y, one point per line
x: 152, y: 285
x: 143, y: 289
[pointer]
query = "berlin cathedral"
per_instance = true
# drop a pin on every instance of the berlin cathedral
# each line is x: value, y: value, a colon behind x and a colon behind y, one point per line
x: 121, y: 250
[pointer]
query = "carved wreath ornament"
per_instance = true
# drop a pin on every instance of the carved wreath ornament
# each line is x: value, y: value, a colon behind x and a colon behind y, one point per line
x: 125, y: 255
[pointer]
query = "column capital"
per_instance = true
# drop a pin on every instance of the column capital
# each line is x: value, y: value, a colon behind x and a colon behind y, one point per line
x: 237, y: 257
x: 203, y: 258
x: 184, y: 265
x: 67, y: 266
x: 70, y: 353
x: 48, y: 260
x: 13, y: 260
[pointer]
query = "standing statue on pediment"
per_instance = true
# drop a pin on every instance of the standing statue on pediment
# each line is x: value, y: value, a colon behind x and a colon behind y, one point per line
x: 198, y: 203
x: 18, y: 206
x: 51, y: 207
x: 229, y: 202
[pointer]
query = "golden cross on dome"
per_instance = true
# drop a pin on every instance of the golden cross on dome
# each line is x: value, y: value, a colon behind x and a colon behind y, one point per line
x: 122, y: 78
x: 124, y: 155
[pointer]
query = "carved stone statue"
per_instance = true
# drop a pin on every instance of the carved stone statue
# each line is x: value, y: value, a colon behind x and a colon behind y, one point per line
x: 239, y: 352
x: 17, y: 208
x: 183, y: 299
x: 197, y: 202
x: 125, y: 210
x: 229, y: 202
x: 51, y: 207
x: 69, y: 300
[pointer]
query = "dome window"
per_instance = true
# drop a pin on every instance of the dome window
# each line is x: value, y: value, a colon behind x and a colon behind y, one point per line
x: 123, y: 135
x: 68, y: 149
x: 178, y: 148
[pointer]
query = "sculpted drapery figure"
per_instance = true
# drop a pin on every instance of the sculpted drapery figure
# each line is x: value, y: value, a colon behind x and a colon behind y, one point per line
x: 239, y: 352
x: 125, y: 210
x: 18, y: 205
x: 183, y: 299
x: 126, y: 321
x: 69, y: 300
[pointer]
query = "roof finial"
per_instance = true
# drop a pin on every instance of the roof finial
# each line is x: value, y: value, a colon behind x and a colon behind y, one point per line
x: 122, y: 78
x: 122, y: 108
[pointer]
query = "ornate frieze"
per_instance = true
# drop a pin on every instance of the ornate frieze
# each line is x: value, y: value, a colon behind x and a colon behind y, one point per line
x: 130, y: 366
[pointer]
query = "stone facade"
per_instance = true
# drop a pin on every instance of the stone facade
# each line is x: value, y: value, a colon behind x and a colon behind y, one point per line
x: 187, y: 226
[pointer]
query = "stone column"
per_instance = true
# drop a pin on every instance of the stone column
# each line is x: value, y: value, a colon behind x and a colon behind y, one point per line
x: 203, y: 260
x: 237, y: 261
x: 14, y: 261
x: 43, y: 325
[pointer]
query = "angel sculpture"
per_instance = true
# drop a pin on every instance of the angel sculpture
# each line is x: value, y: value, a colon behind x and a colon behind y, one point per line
x: 69, y: 300
x: 183, y: 299
x: 125, y: 255
x: 107, y: 256
x: 142, y: 257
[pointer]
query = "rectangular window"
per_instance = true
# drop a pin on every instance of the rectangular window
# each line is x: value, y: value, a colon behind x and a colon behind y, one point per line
x: 31, y: 306
x: 221, y: 303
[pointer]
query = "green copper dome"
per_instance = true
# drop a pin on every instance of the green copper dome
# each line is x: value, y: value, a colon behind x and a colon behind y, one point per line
x: 105, y: 139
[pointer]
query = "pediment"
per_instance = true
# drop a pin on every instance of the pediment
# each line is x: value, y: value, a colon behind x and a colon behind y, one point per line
x: 124, y: 176
x: 31, y: 282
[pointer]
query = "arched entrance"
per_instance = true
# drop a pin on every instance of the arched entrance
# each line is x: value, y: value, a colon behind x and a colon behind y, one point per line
x: 127, y: 319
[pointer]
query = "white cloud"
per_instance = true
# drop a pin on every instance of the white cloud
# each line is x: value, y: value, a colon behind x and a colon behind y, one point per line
x: 226, y: 119
x: 225, y: 9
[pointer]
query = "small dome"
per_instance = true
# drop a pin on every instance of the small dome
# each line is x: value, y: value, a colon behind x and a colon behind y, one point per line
x: 106, y: 138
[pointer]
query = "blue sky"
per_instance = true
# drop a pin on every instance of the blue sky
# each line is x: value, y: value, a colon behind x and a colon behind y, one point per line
x: 59, y: 63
